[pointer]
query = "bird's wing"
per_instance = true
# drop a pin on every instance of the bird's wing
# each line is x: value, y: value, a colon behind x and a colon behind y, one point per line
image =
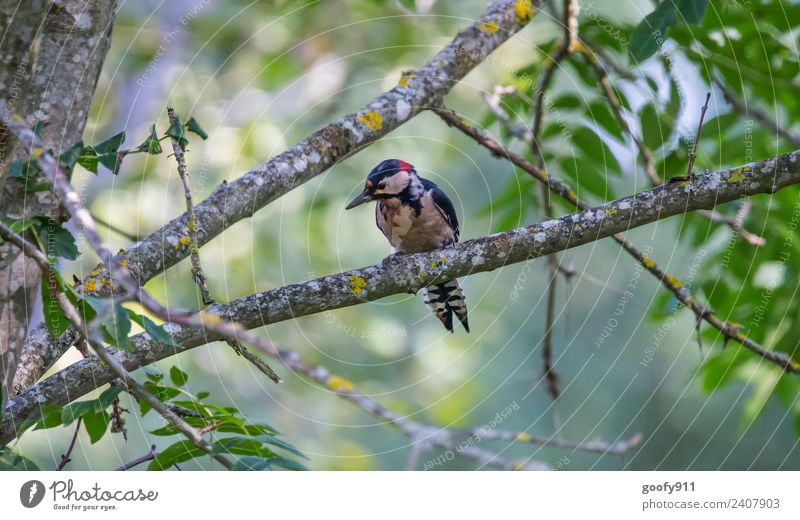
x: 445, y: 207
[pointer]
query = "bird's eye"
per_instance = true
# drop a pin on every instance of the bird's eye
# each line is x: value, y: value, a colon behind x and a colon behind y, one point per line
x: 381, y: 185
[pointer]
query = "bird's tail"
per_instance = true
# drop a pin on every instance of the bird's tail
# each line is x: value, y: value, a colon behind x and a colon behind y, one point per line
x: 446, y: 299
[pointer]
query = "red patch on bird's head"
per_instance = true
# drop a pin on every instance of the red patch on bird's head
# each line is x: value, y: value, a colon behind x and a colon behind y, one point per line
x: 404, y: 166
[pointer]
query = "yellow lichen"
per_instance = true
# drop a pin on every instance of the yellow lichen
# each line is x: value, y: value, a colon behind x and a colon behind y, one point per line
x: 104, y: 282
x: 524, y: 10
x: 356, y: 284
x: 519, y: 466
x: 16, y: 117
x: 647, y: 262
x: 90, y: 285
x: 611, y: 212
x: 489, y: 27
x: 123, y: 263
x: 183, y: 241
x: 674, y: 281
x: 372, y: 120
x: 405, y: 77
x: 96, y: 271
x: 340, y: 384
x: 439, y: 262
x: 524, y: 437
x: 737, y: 175
x: 209, y: 319
x: 36, y: 153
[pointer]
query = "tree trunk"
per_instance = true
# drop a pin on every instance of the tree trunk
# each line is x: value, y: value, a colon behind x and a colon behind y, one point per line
x: 50, y: 66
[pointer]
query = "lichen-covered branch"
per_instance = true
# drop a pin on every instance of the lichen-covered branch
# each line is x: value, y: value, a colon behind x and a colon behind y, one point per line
x: 240, y: 199
x: 198, y: 275
x: 409, y: 273
x: 91, y: 334
x: 668, y: 281
x: 56, y: 89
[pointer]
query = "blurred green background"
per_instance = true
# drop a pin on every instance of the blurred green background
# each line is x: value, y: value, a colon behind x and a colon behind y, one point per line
x: 262, y: 75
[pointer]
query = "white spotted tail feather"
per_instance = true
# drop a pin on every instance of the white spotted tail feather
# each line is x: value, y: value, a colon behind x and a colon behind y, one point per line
x: 447, y: 299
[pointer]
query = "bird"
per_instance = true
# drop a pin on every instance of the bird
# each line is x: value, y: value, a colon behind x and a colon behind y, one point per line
x: 415, y: 216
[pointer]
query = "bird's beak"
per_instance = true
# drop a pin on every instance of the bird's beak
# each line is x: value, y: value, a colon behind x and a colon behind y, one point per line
x: 363, y: 197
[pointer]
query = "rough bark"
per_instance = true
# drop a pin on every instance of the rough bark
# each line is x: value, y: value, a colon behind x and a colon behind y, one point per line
x: 410, y: 273
x: 69, y: 53
x: 234, y: 201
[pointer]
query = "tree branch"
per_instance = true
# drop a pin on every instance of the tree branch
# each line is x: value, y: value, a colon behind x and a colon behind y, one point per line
x: 69, y: 52
x: 735, y: 176
x: 94, y: 338
x: 409, y: 273
x: 240, y: 199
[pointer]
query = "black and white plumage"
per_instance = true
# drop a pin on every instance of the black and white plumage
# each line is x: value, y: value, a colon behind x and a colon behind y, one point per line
x: 415, y: 215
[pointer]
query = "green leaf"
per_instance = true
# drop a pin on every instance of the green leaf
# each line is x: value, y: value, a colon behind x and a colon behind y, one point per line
x: 71, y: 156
x: 251, y: 464
x: 108, y: 396
x: 651, y: 32
x: 72, y: 411
x: 37, y: 127
x: 57, y: 241
x: 112, y: 161
x: 51, y: 417
x: 54, y: 319
x: 692, y: 10
x: 88, y: 159
x: 176, y: 131
x: 18, y: 225
x: 269, y: 439
x: 96, y: 424
x: 286, y: 464
x: 153, y: 375
x: 193, y: 126
x: 111, y: 144
x: 151, y: 145
x: 12, y: 461
x: 155, y: 331
x: 20, y: 169
x: 117, y: 326
x: 178, y: 376
x: 176, y: 453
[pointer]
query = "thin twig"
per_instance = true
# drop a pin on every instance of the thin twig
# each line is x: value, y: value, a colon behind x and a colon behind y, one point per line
x: 67, y: 457
x: 693, y: 153
x: 197, y: 270
x: 95, y: 340
x: 115, y: 229
x: 493, y: 101
x: 424, y: 434
x: 568, y: 43
x: 121, y: 277
x: 619, y: 113
x: 610, y: 92
x: 765, y: 119
x: 256, y: 361
x: 150, y: 455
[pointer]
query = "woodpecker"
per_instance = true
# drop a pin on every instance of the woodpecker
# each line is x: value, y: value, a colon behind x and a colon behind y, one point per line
x: 415, y: 215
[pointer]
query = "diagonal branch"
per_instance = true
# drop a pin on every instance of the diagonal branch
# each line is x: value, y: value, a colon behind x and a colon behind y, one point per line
x: 240, y: 199
x: 409, y: 273
x: 735, y: 176
x: 94, y: 338
x: 234, y: 201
